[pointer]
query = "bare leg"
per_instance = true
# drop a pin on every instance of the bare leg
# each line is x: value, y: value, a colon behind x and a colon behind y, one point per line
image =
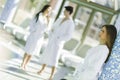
x: 52, y: 72
x: 43, y: 67
x: 26, y: 58
x: 23, y: 61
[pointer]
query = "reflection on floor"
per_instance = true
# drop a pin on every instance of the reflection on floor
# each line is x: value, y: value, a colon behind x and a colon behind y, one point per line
x: 10, y: 71
x: 11, y: 57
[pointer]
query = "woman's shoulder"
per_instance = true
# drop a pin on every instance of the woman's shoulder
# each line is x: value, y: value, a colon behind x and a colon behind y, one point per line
x: 102, y: 48
x: 40, y: 15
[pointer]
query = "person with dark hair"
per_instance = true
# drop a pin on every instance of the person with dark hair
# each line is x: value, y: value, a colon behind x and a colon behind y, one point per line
x: 111, y: 70
x: 96, y: 57
x: 37, y: 28
x: 46, y: 7
x: 69, y: 9
x: 61, y: 32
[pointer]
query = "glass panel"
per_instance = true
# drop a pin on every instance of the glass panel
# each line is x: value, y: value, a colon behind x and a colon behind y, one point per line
x: 27, y: 9
x: 92, y: 35
x: 119, y: 4
x: 55, y: 11
x: 2, y: 3
x: 81, y: 19
x: 108, y: 3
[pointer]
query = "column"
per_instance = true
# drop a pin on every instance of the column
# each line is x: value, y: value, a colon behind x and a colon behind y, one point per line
x: 9, y: 11
x: 53, y: 3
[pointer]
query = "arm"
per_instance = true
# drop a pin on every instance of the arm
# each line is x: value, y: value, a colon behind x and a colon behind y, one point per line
x: 32, y: 25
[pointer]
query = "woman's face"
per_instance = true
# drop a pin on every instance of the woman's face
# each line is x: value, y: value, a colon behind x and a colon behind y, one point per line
x: 103, y: 35
x: 66, y: 12
x: 48, y: 10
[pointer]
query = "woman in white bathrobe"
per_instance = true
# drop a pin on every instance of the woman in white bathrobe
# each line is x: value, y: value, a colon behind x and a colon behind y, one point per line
x: 96, y: 57
x: 61, y: 32
x: 37, y: 28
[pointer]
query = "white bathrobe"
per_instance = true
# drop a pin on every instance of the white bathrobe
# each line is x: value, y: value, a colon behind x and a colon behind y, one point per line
x: 92, y: 65
x: 61, y: 33
x: 35, y: 39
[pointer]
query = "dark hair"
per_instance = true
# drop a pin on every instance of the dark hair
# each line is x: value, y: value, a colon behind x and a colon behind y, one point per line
x: 69, y: 8
x: 42, y: 10
x: 111, y: 36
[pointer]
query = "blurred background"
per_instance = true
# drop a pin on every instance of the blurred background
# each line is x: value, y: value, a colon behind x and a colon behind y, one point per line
x: 88, y: 15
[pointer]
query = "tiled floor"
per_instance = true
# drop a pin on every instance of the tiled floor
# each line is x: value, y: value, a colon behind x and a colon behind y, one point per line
x: 11, y: 57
